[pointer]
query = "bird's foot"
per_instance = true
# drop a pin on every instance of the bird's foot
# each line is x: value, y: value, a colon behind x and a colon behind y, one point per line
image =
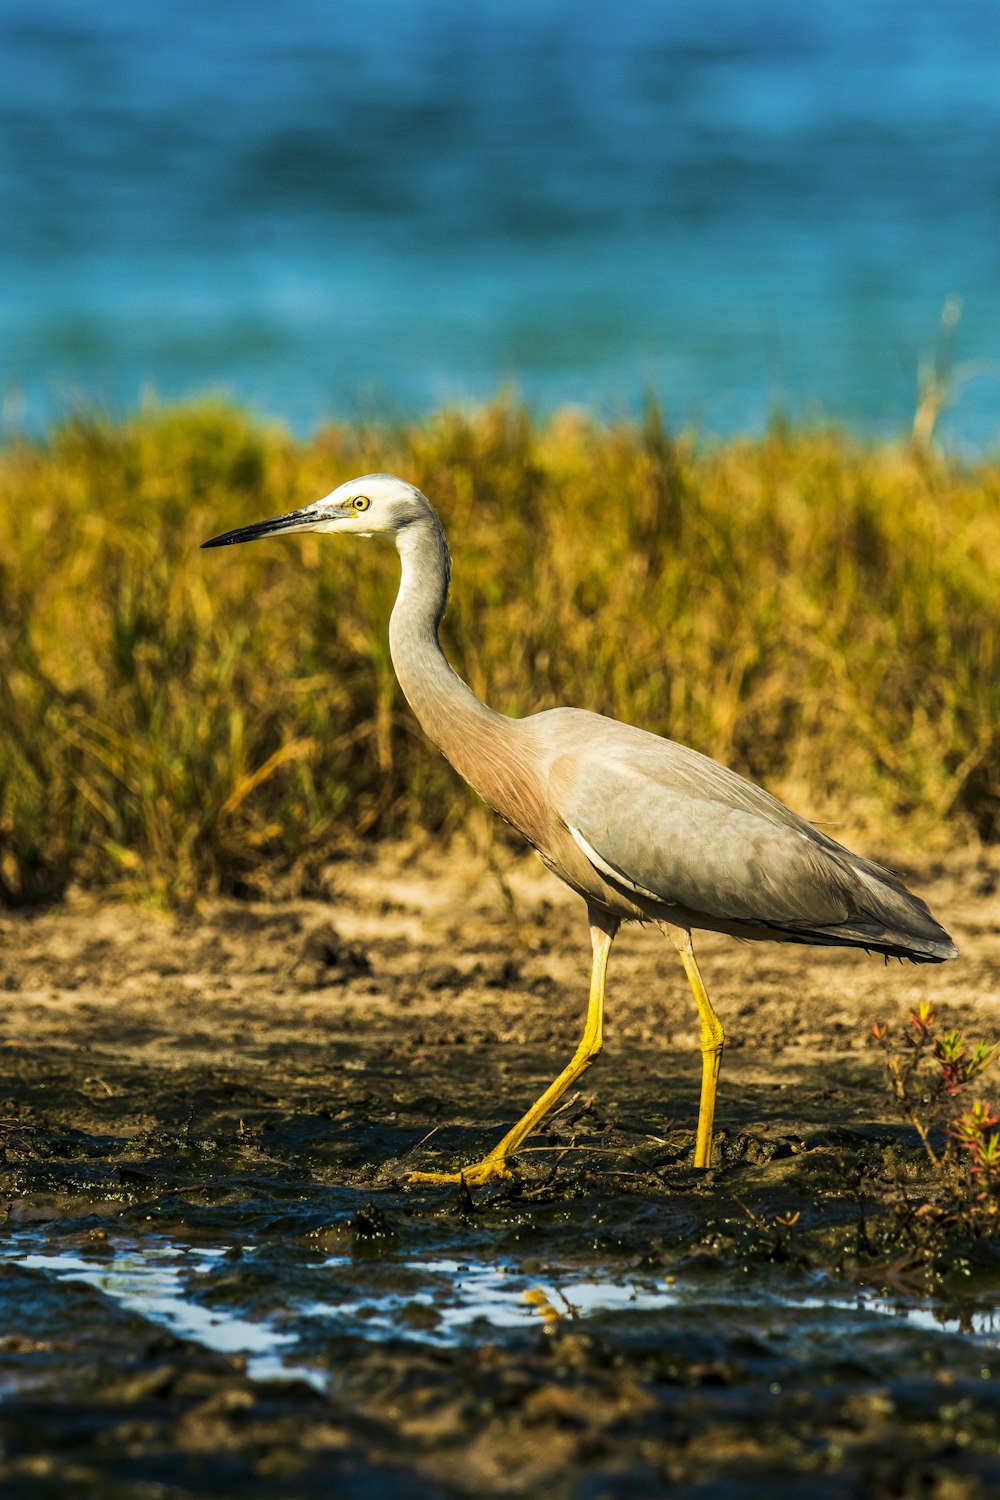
x: 478, y: 1175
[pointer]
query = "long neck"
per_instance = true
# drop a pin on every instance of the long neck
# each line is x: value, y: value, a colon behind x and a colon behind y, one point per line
x: 449, y: 712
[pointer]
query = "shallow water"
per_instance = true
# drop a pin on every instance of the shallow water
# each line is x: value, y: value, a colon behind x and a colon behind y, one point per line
x: 160, y: 1283
x: 448, y: 1302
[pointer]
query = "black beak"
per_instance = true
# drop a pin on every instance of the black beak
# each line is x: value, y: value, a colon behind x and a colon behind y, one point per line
x: 294, y: 519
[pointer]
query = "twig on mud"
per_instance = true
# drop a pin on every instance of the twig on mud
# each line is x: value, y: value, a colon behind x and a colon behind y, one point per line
x: 105, y: 1086
x: 564, y: 1146
x: 641, y: 1169
x: 755, y: 1219
x: 568, y: 1104
x: 626, y: 1129
x: 417, y: 1145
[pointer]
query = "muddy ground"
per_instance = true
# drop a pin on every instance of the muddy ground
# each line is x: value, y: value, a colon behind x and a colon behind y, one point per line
x: 214, y: 1279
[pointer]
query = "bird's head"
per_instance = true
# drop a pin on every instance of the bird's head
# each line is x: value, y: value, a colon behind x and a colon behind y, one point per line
x: 373, y: 504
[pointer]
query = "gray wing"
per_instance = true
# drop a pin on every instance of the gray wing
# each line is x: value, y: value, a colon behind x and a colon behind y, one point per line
x: 673, y: 826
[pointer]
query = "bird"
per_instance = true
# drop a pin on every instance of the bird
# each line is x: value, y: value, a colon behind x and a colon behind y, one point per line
x: 643, y: 828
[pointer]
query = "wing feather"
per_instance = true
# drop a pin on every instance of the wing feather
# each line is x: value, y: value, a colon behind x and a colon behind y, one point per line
x: 670, y: 825
x: 704, y: 855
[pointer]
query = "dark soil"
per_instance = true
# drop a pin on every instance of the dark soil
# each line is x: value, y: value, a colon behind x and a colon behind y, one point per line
x: 231, y: 1103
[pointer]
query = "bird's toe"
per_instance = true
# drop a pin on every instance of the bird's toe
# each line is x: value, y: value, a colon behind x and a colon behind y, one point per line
x: 478, y: 1175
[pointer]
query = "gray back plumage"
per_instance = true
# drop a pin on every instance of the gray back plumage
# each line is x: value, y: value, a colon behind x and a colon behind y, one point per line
x: 679, y: 829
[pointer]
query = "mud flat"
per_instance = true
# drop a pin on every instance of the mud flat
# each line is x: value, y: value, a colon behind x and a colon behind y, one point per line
x: 215, y: 1280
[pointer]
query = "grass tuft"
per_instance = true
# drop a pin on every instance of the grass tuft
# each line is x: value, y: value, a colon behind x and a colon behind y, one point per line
x: 821, y: 615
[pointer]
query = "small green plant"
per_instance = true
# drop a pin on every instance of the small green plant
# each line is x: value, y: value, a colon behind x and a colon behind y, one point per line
x: 974, y: 1133
x: 929, y: 1074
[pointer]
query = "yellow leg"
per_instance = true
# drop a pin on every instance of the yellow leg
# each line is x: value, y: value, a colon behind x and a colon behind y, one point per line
x: 602, y: 935
x: 712, y: 1041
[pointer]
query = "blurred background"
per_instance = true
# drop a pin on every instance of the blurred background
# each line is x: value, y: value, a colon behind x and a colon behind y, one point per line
x: 740, y: 207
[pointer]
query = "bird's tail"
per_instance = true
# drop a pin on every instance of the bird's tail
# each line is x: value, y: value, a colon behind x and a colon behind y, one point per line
x: 890, y: 919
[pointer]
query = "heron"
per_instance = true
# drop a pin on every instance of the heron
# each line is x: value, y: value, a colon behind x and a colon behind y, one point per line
x: 642, y: 828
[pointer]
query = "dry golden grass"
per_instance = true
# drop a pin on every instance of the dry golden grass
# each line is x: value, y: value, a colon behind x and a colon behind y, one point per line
x: 821, y: 615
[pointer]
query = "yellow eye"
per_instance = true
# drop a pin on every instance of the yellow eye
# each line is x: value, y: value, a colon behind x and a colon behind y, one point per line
x: 361, y: 502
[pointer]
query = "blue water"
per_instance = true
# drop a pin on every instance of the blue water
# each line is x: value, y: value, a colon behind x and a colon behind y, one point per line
x: 326, y: 208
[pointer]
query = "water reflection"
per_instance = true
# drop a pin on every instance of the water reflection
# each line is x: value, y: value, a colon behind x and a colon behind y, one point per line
x: 446, y: 1302
x: 156, y: 1282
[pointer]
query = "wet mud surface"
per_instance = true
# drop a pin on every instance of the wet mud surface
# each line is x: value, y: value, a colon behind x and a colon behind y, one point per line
x: 214, y: 1278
